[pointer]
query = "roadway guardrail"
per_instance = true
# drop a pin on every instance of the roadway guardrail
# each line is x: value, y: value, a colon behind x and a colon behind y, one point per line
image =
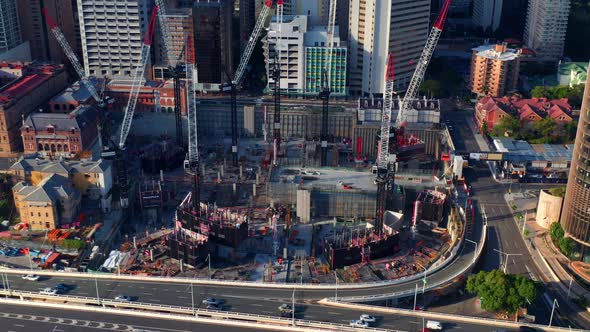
x: 25, y: 296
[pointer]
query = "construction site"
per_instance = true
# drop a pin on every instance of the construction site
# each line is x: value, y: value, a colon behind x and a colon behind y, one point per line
x: 364, y: 191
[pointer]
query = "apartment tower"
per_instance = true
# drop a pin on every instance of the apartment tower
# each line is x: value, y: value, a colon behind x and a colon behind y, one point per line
x: 377, y: 27
x: 546, y: 25
x: 111, y: 35
x: 494, y: 70
x: 575, y: 217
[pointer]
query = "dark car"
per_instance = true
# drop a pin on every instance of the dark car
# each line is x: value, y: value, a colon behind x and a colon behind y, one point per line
x: 526, y: 328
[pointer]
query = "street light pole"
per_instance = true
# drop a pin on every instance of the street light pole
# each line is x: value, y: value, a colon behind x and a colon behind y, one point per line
x: 192, y: 298
x: 569, y: 288
x: 209, y: 261
x: 97, y: 294
x: 507, y: 256
x: 336, y: 277
x: 552, y: 311
x: 524, y: 221
x: 293, y: 308
x: 475, y: 252
x: 423, y: 280
x: 415, y: 296
x: 30, y: 261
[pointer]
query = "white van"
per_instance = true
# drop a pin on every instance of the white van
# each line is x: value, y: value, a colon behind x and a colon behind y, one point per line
x: 434, y: 325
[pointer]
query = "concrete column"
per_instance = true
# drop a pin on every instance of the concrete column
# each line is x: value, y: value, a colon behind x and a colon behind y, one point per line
x: 234, y: 187
x: 257, y: 178
x: 222, y: 168
x: 241, y: 171
x: 218, y: 176
x: 254, y: 189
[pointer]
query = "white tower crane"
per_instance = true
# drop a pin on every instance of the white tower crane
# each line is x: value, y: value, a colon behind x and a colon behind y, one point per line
x: 422, y: 64
x: 138, y: 79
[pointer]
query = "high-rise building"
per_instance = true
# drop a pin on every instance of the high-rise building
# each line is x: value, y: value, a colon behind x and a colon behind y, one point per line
x: 212, y: 24
x: 494, y: 70
x: 377, y: 27
x: 180, y: 27
x: 303, y: 56
x: 458, y: 6
x: 247, y: 20
x: 546, y: 25
x: 512, y: 23
x: 10, y: 35
x: 575, y: 217
x: 34, y: 28
x: 487, y: 14
x: 111, y: 35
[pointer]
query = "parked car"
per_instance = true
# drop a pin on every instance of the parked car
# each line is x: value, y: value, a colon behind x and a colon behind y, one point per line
x: 368, y: 318
x: 211, y: 301
x: 49, y: 291
x: 358, y: 323
x: 124, y: 298
x: 31, y: 277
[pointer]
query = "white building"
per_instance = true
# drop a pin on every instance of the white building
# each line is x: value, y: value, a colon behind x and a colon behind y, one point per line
x: 545, y: 28
x: 111, y: 34
x: 9, y: 26
x: 487, y: 13
x: 377, y: 27
x: 291, y: 51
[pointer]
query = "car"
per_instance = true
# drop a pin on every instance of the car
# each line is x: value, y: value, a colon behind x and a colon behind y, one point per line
x: 419, y: 308
x: 214, y: 307
x: 126, y: 298
x: 62, y: 287
x: 49, y: 291
x: 211, y: 301
x: 434, y: 325
x: 368, y: 318
x: 31, y: 277
x: 358, y: 323
x: 285, y: 307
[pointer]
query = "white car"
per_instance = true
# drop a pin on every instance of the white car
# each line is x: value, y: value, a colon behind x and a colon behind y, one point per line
x: 126, y: 298
x: 368, y: 318
x: 48, y: 291
x: 31, y: 277
x: 358, y: 323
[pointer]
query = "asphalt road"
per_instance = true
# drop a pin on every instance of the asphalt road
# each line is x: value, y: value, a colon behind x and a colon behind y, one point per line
x: 24, y: 318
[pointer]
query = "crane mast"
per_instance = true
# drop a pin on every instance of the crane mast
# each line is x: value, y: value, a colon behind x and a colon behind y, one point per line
x: 61, y: 39
x: 422, y: 65
x: 239, y: 76
x: 325, y: 89
x: 192, y: 162
x: 138, y: 79
x: 384, y: 160
x: 277, y: 79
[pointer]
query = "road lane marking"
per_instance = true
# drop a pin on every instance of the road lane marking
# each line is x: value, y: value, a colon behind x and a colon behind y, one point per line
x: 333, y: 313
x: 147, y: 293
x: 256, y: 305
x: 18, y: 325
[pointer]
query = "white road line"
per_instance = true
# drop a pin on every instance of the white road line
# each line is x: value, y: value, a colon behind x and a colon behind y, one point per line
x: 147, y: 293
x: 333, y: 313
x: 19, y: 325
x: 256, y: 305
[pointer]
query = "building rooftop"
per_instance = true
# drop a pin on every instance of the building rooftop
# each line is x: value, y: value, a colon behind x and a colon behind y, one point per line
x: 497, y: 52
x: 326, y: 178
x: 49, y: 190
x: 79, y: 118
x: 523, y: 151
x: 76, y: 93
x: 23, y: 86
x: 30, y: 163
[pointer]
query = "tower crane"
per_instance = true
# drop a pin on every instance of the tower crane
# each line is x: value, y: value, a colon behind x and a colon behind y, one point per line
x: 232, y: 86
x: 120, y: 163
x: 174, y: 68
x: 191, y: 164
x: 422, y: 65
x: 61, y: 39
x: 385, y: 159
x: 325, y: 88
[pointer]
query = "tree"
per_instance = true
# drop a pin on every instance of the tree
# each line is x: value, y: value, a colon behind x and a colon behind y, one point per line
x: 556, y: 232
x: 540, y: 92
x: 484, y: 128
x: 508, y: 124
x: 502, y: 292
x: 545, y: 127
x: 4, y: 209
x: 431, y: 88
x: 567, y: 246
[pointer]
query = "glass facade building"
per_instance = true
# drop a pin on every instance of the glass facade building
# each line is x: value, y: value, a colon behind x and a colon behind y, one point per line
x: 315, y: 59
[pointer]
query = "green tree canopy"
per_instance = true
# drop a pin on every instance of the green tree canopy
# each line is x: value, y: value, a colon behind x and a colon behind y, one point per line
x: 431, y: 88
x: 509, y: 124
x: 573, y: 94
x: 502, y: 292
x: 556, y: 231
x: 4, y: 209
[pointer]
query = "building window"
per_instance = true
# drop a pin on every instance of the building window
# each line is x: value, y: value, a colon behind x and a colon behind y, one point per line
x: 50, y: 129
x: 46, y: 214
x: 31, y: 214
x: 46, y: 224
x: 39, y: 214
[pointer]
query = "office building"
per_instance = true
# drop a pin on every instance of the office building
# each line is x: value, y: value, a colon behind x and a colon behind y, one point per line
x: 180, y: 27
x: 494, y: 70
x: 377, y: 27
x: 315, y: 43
x: 111, y: 35
x: 10, y: 35
x: 34, y: 28
x: 546, y: 26
x: 575, y: 217
x: 487, y: 14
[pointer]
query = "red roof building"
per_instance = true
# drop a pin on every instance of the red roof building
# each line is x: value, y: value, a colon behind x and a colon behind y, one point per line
x: 490, y: 110
x: 21, y: 97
